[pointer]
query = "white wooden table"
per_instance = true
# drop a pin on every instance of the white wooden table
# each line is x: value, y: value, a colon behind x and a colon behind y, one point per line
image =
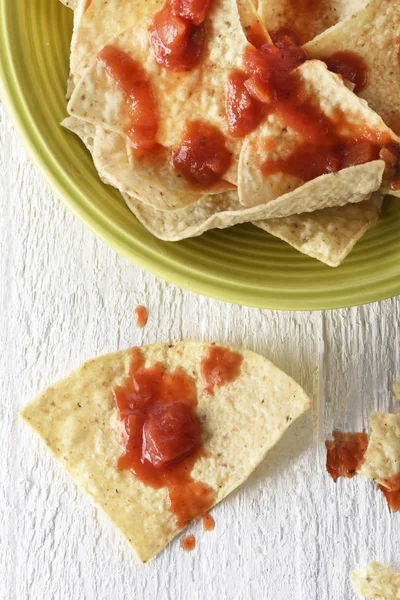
x: 288, y: 534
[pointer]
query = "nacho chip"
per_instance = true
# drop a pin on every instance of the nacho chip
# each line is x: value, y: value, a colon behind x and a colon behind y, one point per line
x: 72, y: 4
x: 85, y: 131
x: 243, y: 418
x: 382, y: 458
x: 95, y: 25
x: 327, y: 235
x: 111, y: 161
x: 180, y: 97
x: 396, y: 389
x: 373, y: 34
x: 274, y: 141
x: 377, y: 581
x: 306, y: 19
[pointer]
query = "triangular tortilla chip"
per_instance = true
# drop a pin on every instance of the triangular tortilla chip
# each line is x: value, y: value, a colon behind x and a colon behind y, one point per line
x: 273, y: 140
x: 373, y: 34
x: 242, y: 420
x: 330, y: 234
x: 306, y: 19
x: 181, y: 97
x: 377, y: 581
x: 382, y: 458
x: 100, y: 21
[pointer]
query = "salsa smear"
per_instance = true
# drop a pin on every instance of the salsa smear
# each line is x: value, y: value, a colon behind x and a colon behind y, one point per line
x: 202, y: 157
x: 163, y: 434
x: 392, y: 498
x: 220, y: 366
x: 188, y: 543
x: 177, y: 33
x: 139, y: 98
x: 140, y: 313
x: 271, y: 85
x: 345, y: 454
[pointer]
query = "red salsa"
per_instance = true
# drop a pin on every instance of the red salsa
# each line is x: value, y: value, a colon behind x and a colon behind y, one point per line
x: 392, y: 498
x: 345, y: 454
x: 208, y: 522
x: 220, y: 366
x: 351, y: 66
x: 140, y: 313
x: 393, y: 483
x: 163, y: 434
x: 177, y: 33
x: 327, y: 144
x: 140, y: 101
x: 188, y: 543
x: 87, y: 5
x: 202, y: 157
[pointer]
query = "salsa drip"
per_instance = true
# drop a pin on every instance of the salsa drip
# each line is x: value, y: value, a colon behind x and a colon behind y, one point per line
x: 177, y: 34
x: 188, y: 543
x: 391, y: 490
x: 87, y: 5
x: 139, y: 98
x: 202, y: 157
x: 220, y: 366
x: 392, y: 498
x: 141, y: 316
x: 345, y: 454
x: 163, y: 434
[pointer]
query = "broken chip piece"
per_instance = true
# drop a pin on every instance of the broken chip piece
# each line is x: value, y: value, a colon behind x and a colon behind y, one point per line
x: 376, y: 581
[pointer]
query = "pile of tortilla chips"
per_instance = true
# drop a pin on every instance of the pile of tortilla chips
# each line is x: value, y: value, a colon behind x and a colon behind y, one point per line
x: 322, y: 218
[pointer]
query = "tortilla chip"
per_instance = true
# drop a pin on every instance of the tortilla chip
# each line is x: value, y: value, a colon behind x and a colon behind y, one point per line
x: 306, y: 19
x: 72, y: 4
x: 85, y: 131
x: 158, y: 168
x: 111, y: 161
x: 396, y: 389
x: 373, y: 34
x: 377, y: 581
x: 243, y: 419
x: 199, y: 93
x: 102, y: 21
x: 273, y: 140
x: 327, y: 235
x: 250, y: 20
x: 382, y: 458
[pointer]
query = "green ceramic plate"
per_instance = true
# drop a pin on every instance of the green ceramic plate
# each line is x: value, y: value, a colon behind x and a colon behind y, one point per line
x: 241, y: 264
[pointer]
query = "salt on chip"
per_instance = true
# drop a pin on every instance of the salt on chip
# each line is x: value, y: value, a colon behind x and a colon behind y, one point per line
x: 382, y: 457
x: 307, y: 19
x: 376, y: 581
x: 329, y: 234
x: 373, y: 34
x: 78, y: 421
x: 273, y: 140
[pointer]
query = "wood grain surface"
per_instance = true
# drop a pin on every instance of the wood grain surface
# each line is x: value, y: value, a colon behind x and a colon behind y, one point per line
x: 289, y: 533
